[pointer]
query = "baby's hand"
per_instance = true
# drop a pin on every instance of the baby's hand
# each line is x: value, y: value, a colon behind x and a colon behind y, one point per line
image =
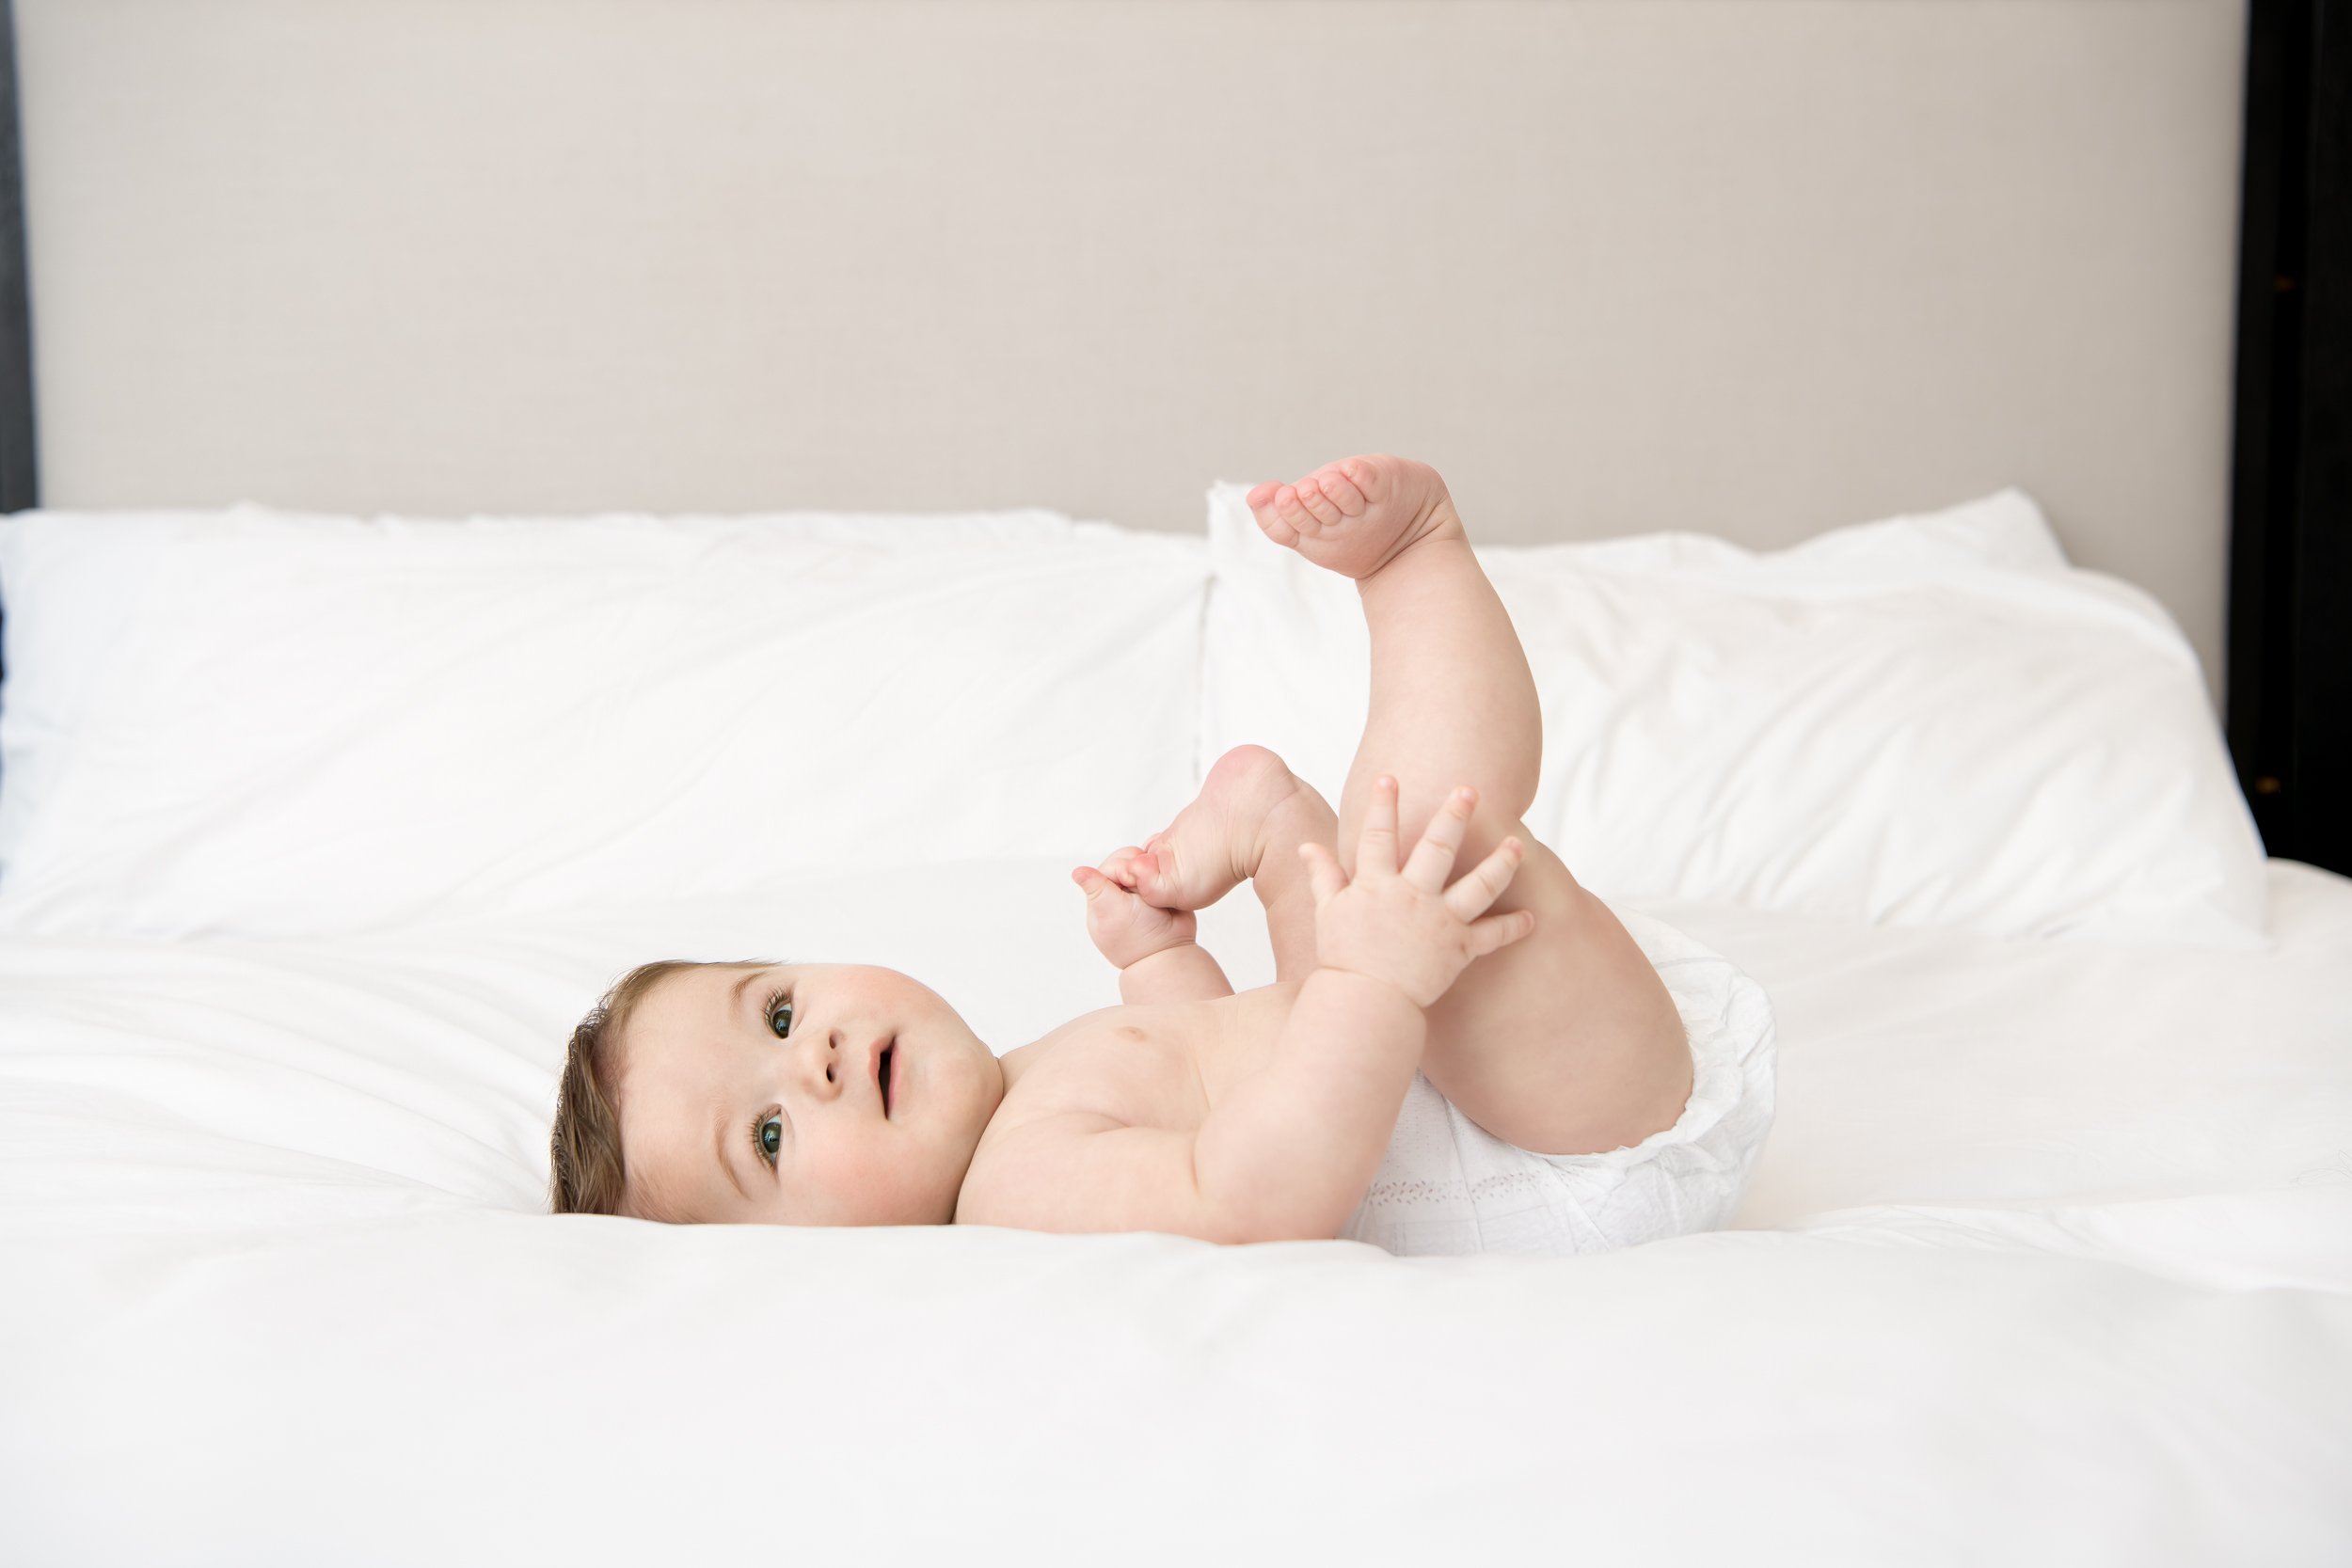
x: 1125, y: 929
x: 1407, y: 926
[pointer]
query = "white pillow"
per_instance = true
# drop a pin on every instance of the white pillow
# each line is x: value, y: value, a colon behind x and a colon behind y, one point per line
x: 1924, y: 721
x: 262, y: 722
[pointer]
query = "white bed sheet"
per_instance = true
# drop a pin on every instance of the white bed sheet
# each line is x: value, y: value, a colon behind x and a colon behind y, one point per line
x: 2049, y: 1259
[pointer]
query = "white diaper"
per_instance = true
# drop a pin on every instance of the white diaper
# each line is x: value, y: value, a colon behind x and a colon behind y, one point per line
x: 1447, y: 1185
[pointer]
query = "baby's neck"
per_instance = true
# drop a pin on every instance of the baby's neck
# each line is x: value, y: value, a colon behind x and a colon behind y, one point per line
x: 1021, y: 1058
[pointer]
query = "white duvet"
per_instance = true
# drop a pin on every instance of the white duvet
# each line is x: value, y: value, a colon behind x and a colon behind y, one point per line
x: 2048, y: 1260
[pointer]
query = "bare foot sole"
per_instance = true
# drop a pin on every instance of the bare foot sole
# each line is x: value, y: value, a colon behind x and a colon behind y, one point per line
x: 1216, y: 842
x: 1355, y: 515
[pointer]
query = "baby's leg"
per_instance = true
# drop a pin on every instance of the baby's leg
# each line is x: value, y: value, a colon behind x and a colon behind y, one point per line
x: 1566, y: 1041
x: 1248, y: 822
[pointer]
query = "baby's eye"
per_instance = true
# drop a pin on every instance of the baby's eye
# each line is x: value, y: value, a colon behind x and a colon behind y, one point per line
x: 768, y: 1135
x: 779, y: 1015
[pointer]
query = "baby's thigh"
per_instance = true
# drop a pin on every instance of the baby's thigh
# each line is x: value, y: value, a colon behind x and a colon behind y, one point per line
x: 1566, y: 1041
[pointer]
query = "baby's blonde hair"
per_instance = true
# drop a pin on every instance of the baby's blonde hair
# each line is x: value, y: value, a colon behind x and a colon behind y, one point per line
x: 586, y: 1173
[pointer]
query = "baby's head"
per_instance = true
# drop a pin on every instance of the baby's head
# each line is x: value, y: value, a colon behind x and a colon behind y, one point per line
x: 749, y: 1092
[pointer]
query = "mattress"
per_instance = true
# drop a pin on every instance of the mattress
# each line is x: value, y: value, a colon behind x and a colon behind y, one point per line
x: 2048, y: 1259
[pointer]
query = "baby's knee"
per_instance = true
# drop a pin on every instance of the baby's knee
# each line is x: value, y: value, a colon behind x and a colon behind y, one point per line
x: 1252, y: 768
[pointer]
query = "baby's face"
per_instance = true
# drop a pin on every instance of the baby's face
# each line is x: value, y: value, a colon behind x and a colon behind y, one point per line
x: 751, y: 1095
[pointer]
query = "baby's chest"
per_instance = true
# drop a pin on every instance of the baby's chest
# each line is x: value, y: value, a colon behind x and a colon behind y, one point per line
x: 1165, y: 1066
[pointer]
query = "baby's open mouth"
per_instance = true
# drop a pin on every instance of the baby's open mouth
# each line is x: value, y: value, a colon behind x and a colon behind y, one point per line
x: 882, y: 1074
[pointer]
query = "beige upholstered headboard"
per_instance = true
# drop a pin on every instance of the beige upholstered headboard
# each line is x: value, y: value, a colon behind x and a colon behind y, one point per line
x: 1753, y: 267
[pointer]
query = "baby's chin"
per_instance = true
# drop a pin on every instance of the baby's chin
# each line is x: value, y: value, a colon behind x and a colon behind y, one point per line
x: 943, y: 1210
x: 930, y: 1197
x: 933, y: 1204
x: 976, y: 1099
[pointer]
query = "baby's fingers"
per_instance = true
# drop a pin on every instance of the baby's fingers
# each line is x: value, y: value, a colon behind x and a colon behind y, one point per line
x: 1483, y: 883
x: 1375, y: 842
x: 1433, y: 857
x: 1324, y: 875
x: 1500, y: 931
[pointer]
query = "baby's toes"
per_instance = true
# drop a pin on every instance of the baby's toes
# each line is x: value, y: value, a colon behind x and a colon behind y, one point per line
x: 1343, y: 491
x: 1293, y: 512
x: 1325, y: 509
x: 1268, y: 524
x: 1278, y: 530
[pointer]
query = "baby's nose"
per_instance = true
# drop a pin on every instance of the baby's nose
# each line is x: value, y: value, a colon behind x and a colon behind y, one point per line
x: 820, y: 1066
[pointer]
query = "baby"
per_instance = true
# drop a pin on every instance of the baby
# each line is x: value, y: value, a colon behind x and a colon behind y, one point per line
x: 1445, y: 1063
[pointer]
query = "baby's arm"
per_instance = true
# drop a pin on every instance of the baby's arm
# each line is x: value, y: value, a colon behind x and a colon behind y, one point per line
x: 1290, y: 1154
x: 1154, y: 948
x: 1180, y: 972
x: 1291, y: 1151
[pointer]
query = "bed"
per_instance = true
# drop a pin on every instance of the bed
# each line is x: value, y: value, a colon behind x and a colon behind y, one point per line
x: 334, y: 783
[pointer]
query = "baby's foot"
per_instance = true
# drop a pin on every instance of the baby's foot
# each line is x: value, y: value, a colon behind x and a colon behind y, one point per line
x: 1358, y: 515
x: 1216, y: 841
